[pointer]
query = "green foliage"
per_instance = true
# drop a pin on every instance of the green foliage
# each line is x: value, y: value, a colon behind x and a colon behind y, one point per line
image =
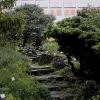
x: 76, y: 63
x: 97, y: 97
x: 50, y: 47
x: 36, y: 21
x: 11, y: 27
x: 79, y: 36
x: 9, y: 58
x: 11, y: 23
x: 15, y: 83
x: 4, y: 4
x: 10, y: 97
x: 85, y: 89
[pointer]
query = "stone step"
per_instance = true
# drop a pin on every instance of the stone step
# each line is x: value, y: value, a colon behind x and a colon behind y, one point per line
x: 56, y: 86
x: 49, y: 78
x: 61, y: 95
x: 34, y: 59
x: 41, y: 71
x: 40, y: 67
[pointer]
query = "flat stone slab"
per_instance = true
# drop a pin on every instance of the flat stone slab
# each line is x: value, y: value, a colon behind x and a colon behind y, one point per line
x: 33, y: 57
x: 41, y: 71
x: 62, y: 85
x: 56, y: 86
x: 61, y: 95
x: 57, y: 94
x: 59, y: 84
x: 40, y: 67
x: 48, y: 77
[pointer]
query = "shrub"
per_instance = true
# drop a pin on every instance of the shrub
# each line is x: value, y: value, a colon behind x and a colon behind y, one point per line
x: 79, y: 36
x: 10, y: 97
x: 15, y: 83
x: 10, y: 59
x: 97, y: 97
x: 50, y: 47
x: 36, y: 21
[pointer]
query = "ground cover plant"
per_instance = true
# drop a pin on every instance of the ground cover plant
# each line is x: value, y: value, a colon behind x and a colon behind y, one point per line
x: 14, y: 80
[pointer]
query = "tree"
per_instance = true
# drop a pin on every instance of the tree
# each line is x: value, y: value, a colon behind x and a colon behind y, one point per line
x: 11, y: 23
x: 79, y: 36
x: 5, y: 4
x: 36, y: 21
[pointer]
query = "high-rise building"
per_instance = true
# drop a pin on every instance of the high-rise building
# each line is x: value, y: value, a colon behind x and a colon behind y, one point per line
x: 61, y: 8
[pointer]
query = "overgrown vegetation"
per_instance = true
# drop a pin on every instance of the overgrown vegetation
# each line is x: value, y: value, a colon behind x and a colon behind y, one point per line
x: 79, y: 37
x: 5, y: 4
x: 50, y: 47
x: 15, y: 83
x: 11, y: 26
x: 36, y: 21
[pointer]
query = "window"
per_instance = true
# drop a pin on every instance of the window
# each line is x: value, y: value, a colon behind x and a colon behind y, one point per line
x: 66, y: 11
x: 58, y: 12
x: 72, y: 12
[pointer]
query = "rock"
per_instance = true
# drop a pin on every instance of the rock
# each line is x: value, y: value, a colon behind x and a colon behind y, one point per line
x: 45, y: 59
x: 58, y: 62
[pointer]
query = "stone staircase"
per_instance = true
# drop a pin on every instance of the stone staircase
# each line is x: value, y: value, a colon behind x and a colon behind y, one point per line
x: 41, y: 70
x: 58, y: 88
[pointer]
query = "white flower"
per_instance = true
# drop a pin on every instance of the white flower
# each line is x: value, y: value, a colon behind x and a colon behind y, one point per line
x: 2, y: 96
x: 13, y: 78
x: 61, y: 52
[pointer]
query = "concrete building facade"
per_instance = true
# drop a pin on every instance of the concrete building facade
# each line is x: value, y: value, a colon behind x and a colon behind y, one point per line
x: 61, y: 8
